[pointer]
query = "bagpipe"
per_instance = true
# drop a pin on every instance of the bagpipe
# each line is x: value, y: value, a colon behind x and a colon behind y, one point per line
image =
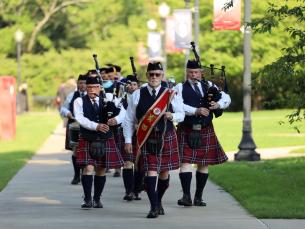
x: 109, y: 109
x: 217, y: 77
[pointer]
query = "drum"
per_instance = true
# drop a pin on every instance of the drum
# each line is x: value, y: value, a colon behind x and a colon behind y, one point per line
x: 73, y: 134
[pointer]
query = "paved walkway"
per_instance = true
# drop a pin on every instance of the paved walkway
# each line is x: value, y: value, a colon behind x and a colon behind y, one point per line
x: 40, y: 196
x: 272, y: 153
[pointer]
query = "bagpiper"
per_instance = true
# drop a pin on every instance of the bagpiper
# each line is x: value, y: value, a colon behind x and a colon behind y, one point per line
x: 96, y: 150
x: 198, y: 143
x: 154, y: 109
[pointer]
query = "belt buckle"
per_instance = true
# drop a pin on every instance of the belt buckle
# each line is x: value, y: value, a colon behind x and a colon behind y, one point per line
x: 196, y: 127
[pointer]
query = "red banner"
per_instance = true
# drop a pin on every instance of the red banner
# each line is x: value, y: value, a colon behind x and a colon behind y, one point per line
x: 227, y: 15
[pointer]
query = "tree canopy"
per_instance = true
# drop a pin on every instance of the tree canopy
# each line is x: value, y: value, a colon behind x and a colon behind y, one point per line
x: 62, y: 35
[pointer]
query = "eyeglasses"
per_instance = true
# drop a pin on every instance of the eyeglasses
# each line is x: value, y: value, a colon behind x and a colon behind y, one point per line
x: 151, y: 74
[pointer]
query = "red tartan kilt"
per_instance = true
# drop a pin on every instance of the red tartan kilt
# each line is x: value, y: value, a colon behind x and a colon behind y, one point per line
x: 170, y: 155
x: 210, y: 152
x: 119, y: 138
x: 111, y: 160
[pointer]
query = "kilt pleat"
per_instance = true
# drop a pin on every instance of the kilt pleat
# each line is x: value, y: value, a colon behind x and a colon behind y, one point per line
x: 111, y: 160
x: 169, y: 159
x: 126, y: 156
x: 210, y: 152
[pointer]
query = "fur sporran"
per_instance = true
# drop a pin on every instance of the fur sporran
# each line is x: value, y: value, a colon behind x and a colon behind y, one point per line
x: 97, y: 149
x: 194, y: 139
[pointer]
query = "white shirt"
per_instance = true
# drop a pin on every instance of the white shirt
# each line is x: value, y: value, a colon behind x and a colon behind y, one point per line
x: 91, y: 125
x: 131, y: 120
x: 224, y: 102
x: 65, y: 107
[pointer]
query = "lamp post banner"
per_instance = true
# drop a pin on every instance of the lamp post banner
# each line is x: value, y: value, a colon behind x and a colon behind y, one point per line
x: 183, y: 27
x: 227, y: 15
x: 170, y: 36
x: 154, y: 45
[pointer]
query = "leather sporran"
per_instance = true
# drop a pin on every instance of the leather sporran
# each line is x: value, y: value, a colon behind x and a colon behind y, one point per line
x: 97, y: 149
x: 194, y: 139
x: 154, y: 146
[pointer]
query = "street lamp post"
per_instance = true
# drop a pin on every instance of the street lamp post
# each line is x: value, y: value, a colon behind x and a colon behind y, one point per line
x: 196, y: 24
x: 164, y: 11
x: 247, y: 146
x: 18, y: 38
x: 187, y: 50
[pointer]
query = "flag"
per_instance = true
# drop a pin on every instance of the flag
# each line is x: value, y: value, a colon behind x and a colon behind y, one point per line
x: 170, y: 36
x: 183, y: 27
x: 154, y: 43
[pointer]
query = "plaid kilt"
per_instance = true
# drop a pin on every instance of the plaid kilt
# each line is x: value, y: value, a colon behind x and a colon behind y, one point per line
x: 111, y: 160
x: 128, y: 156
x: 210, y: 153
x: 169, y: 159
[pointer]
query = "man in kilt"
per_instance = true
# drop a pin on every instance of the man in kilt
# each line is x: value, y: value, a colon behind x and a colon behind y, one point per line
x: 96, y: 149
x: 154, y: 108
x: 67, y: 111
x: 198, y: 143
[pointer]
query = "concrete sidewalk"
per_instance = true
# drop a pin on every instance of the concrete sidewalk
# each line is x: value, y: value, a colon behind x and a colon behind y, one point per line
x: 40, y: 196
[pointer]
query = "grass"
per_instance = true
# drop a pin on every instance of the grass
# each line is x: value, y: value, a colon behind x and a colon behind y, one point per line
x: 266, y: 130
x: 32, y: 131
x: 267, y: 189
x: 300, y: 150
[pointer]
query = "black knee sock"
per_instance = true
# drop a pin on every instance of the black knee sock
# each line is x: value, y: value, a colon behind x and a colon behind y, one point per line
x: 128, y: 180
x: 162, y: 187
x: 87, y: 186
x: 99, y: 183
x: 138, y: 181
x: 201, y: 180
x: 186, y: 179
x: 75, y: 167
x: 150, y: 182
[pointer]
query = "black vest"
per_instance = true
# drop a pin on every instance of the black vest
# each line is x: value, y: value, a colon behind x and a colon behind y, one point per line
x: 91, y: 135
x: 145, y: 102
x: 191, y: 98
x: 75, y: 96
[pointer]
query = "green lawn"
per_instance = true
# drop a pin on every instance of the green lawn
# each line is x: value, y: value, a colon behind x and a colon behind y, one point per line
x: 266, y: 130
x: 32, y: 131
x: 267, y: 189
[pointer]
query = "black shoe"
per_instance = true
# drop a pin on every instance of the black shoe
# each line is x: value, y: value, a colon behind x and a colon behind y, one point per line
x: 75, y: 180
x: 87, y: 204
x: 161, y: 209
x: 128, y: 196
x: 97, y: 204
x: 116, y: 174
x: 136, y: 196
x: 185, y: 201
x: 152, y: 214
x: 198, y: 202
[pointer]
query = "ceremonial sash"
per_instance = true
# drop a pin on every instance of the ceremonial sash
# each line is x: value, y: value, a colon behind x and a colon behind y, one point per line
x: 151, y: 118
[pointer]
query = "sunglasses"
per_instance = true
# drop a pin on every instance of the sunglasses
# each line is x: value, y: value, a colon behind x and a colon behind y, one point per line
x: 151, y: 74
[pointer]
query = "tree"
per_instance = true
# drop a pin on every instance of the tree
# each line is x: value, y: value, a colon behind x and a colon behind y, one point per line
x: 285, y: 76
x: 48, y: 10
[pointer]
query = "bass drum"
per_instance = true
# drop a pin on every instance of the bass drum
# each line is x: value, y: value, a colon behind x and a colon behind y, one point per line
x: 73, y: 134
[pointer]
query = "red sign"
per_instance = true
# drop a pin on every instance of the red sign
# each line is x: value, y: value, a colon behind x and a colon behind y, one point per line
x: 7, y: 107
x: 227, y: 15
